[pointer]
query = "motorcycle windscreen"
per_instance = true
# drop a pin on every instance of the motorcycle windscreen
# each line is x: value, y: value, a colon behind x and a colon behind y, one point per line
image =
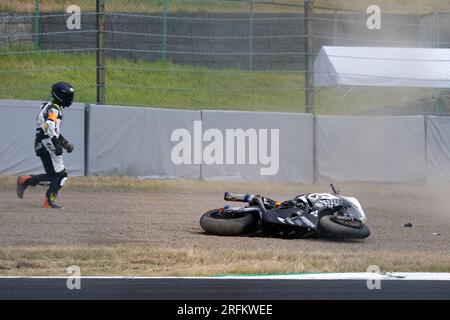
x: 355, y: 210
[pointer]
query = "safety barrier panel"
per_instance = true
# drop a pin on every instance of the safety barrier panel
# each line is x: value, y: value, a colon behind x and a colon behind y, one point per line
x: 259, y: 146
x: 371, y: 148
x: 17, y: 132
x: 137, y: 142
x: 229, y: 145
x: 438, y: 149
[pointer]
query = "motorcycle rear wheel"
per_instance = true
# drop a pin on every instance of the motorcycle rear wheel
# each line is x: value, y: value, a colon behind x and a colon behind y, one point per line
x: 344, y: 231
x: 215, y: 222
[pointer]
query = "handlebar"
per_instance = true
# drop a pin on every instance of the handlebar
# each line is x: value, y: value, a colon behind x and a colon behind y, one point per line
x: 249, y: 198
x: 228, y: 196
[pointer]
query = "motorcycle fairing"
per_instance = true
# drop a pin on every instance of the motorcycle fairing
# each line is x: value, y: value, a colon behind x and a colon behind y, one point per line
x: 294, y: 216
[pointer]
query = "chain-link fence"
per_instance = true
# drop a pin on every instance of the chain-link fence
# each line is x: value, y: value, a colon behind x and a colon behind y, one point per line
x: 401, y: 73
x: 213, y: 54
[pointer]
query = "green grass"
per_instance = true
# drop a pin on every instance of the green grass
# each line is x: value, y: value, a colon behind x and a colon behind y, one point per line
x: 28, y: 74
x: 148, y: 6
x: 221, y: 6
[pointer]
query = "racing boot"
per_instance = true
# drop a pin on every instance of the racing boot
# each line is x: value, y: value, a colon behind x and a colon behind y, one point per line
x: 49, y: 202
x: 22, y: 184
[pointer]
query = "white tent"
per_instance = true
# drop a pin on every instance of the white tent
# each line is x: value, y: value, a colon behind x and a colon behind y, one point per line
x: 382, y: 66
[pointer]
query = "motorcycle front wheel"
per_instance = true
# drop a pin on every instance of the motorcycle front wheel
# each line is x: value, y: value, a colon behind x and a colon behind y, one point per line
x: 342, y: 229
x: 222, y: 224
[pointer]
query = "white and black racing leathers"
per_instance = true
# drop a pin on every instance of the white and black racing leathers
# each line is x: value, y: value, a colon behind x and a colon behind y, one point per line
x: 48, y: 145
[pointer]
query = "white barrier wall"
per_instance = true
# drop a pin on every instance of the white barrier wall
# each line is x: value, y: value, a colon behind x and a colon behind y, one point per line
x: 137, y: 142
x: 17, y: 133
x: 258, y: 146
x: 438, y: 149
x: 375, y: 149
x: 225, y: 145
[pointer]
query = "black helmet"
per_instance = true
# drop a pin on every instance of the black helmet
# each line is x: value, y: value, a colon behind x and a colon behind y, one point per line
x: 63, y: 92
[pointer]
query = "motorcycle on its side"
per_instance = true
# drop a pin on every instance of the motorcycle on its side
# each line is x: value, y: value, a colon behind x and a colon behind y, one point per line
x: 306, y: 215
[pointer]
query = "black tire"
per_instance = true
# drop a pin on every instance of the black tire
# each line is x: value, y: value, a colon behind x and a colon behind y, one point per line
x: 343, y: 231
x: 214, y: 222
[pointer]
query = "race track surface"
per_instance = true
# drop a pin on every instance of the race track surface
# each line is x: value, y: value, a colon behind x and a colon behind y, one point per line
x: 221, y: 289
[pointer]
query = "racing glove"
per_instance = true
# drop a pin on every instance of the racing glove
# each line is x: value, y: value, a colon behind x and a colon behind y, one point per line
x: 65, y: 144
x: 68, y: 147
x: 58, y: 146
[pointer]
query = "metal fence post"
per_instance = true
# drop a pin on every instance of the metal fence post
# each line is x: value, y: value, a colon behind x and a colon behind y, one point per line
x: 87, y: 124
x: 100, y: 61
x: 309, y: 56
x: 36, y: 24
x: 335, y: 20
x: 436, y: 29
x: 250, y: 35
x: 164, y: 39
